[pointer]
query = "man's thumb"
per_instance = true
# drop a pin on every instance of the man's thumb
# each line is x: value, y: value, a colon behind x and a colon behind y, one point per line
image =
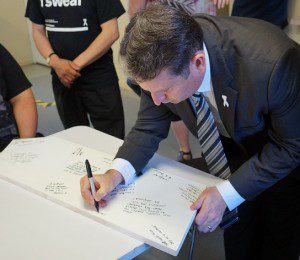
x: 99, y: 194
x: 198, y: 203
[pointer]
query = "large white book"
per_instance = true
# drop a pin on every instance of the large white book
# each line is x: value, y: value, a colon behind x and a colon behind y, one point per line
x: 155, y: 208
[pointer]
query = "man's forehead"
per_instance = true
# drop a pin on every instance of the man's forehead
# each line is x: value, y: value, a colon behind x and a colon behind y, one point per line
x: 161, y: 79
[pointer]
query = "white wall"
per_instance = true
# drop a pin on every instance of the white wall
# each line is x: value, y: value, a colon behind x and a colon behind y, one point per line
x: 294, y: 9
x: 123, y: 21
x: 14, y: 31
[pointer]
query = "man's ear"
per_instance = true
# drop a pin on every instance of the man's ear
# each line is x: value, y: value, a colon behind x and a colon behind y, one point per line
x: 198, y: 60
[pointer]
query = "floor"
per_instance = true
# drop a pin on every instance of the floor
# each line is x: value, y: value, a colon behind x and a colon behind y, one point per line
x: 207, y: 246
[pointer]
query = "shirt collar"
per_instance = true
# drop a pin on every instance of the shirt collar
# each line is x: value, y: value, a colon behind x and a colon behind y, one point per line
x: 205, y: 85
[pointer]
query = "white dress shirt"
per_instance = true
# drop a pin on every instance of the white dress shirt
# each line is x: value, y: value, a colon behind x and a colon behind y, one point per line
x: 231, y: 197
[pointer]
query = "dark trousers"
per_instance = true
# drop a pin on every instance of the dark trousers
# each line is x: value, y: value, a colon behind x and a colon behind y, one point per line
x: 101, y: 101
x: 272, y: 11
x: 269, y: 226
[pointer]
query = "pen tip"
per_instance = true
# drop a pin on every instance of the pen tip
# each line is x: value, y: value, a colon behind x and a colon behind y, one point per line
x: 97, y: 206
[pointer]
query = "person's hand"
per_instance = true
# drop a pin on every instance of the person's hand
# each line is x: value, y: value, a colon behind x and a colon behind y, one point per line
x: 212, y: 207
x: 221, y: 3
x: 66, y: 70
x: 104, y: 184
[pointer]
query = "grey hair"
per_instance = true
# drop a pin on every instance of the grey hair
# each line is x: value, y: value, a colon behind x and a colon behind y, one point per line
x: 158, y: 38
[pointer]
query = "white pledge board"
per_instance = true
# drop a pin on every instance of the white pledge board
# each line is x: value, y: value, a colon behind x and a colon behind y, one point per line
x: 155, y: 208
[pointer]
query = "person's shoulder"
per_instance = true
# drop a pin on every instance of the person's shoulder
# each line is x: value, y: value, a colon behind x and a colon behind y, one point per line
x: 2, y: 48
x: 3, y: 51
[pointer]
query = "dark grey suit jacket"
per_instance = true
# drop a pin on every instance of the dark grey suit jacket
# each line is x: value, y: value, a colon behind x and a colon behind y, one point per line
x: 258, y: 68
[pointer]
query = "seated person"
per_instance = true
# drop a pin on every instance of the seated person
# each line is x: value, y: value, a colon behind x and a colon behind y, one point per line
x: 18, y: 114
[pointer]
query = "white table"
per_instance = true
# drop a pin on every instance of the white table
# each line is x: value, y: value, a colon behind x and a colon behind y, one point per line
x: 32, y: 227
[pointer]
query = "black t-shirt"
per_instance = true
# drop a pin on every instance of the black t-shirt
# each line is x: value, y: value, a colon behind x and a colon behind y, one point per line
x: 12, y: 82
x: 72, y: 25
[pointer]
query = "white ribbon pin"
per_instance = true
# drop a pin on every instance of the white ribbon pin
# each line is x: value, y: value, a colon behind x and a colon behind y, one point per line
x: 85, y: 22
x: 225, y: 103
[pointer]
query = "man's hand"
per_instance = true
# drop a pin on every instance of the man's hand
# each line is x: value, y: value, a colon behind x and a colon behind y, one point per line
x: 212, y: 207
x: 104, y: 184
x: 66, y: 70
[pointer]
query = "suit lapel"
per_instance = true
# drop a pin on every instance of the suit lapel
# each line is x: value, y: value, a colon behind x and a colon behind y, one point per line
x: 222, y: 81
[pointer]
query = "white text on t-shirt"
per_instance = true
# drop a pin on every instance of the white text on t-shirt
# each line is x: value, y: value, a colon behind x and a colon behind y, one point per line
x: 60, y: 3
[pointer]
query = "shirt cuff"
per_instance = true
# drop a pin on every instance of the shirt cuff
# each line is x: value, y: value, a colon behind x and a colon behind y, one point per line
x: 229, y: 194
x: 125, y: 168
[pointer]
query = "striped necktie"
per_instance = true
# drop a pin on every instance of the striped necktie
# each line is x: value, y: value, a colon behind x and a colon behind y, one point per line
x: 209, y: 139
x: 212, y: 149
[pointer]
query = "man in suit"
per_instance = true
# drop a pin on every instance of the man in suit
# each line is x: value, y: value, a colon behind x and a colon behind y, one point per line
x: 245, y: 73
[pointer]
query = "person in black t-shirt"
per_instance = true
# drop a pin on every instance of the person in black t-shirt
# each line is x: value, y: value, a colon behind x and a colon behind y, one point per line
x: 76, y: 37
x: 18, y: 115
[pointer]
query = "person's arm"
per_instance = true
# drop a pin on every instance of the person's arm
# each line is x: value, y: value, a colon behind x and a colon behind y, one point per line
x: 66, y: 70
x: 281, y: 155
x: 104, y: 184
x: 135, y: 6
x: 151, y: 127
x: 25, y: 113
x: 41, y: 40
x: 103, y: 42
x: 19, y: 94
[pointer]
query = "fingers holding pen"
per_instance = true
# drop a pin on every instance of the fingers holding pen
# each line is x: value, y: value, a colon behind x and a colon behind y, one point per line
x: 107, y: 182
x: 86, y: 192
x: 85, y: 189
x: 104, y: 184
x: 101, y: 202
